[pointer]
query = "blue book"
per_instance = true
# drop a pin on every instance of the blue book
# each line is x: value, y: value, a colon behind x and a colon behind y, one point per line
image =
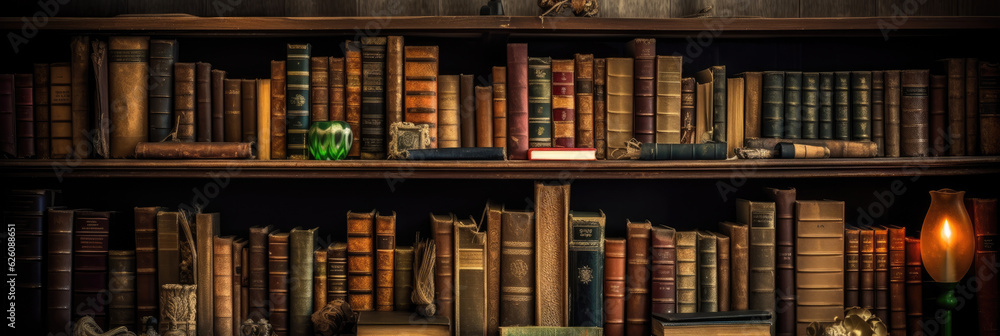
x: 297, y: 99
x: 586, y: 269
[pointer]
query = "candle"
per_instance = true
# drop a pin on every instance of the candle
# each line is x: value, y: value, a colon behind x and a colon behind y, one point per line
x: 946, y: 238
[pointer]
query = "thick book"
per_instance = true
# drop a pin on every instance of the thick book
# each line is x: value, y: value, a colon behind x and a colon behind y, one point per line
x: 739, y: 263
x: 59, y: 270
x: 400, y: 323
x: 620, y: 102
x: 810, y: 105
x: 937, y: 122
x: 373, y: 126
x: 146, y: 281
x: 614, y: 286
x: 897, y: 279
x: 484, y: 116
x: 184, y: 102
x: 663, y: 279
x: 128, y: 69
x: 24, y: 115
x: 40, y: 88
x: 162, y: 56
x: 240, y: 292
x: 360, y: 260
x: 222, y: 284
x: 784, y: 206
x: 914, y: 288
x: 319, y: 88
x: 772, y: 105
x: 852, y: 266
x: 467, y: 110
x: 584, y: 86
x: 517, y: 101
x: 194, y: 150
x: 687, y: 271
x: 121, y: 289
x: 539, y: 102
x: 551, y: 236
x: 971, y: 106
x: 837, y: 148
x: 913, y: 137
x: 825, y: 130
x: 91, y: 230
x: 248, y: 110
x: 203, y: 101
x: 393, y: 80
x: 708, y: 272
x: 755, y: 322
x: 954, y: 68
x: 861, y: 105
x: 80, y: 99
x: 983, y: 213
x: 717, y: 76
x: 551, y: 331
x: 586, y: 268
x: 866, y: 267
x: 297, y: 100
x: 470, y: 278
x: 702, y: 151
x: 421, y: 87
x: 878, y: 110
x: 517, y: 286
x: 643, y: 53
x: 301, y: 244
x: 819, y: 261
x: 219, y: 102
x: 881, y: 273
x: 892, y: 109
x: 257, y: 262
x: 448, y: 115
x: 760, y: 217
x: 444, y: 286
x: 752, y: 86
x: 338, y: 96
x: 563, y: 104
x: 207, y: 227
x: 668, y: 99
x: 263, y: 119
x: 233, y: 101
x: 500, y: 106
x: 562, y: 154
x: 688, y: 135
x: 494, y: 227
x: 353, y: 72
x: 24, y: 216
x: 734, y: 133
x: 60, y: 110
x: 989, y: 108
x: 278, y: 107
x: 842, y: 105
x: 475, y: 153
x: 385, y: 246
x: 793, y: 105
x: 336, y: 274
x: 277, y: 281
x: 722, y: 270
x: 600, y: 107
x: 402, y: 277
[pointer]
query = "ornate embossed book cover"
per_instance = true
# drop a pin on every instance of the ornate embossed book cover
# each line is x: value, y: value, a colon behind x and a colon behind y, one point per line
x: 586, y: 268
x: 517, y: 282
x: 551, y: 239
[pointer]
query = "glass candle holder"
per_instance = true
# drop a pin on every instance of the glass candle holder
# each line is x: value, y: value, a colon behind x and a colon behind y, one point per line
x: 329, y: 140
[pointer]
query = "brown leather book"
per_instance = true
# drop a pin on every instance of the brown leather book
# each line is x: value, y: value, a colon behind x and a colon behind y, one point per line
x: 443, y: 227
x: 892, y: 110
x: 91, y: 240
x: 360, y: 260
x: 319, y: 279
x: 852, y: 266
x: 563, y: 104
x: 59, y: 286
x: 881, y: 273
x: 913, y: 134
x: 752, y: 86
x: 385, y: 246
x: 248, y: 107
x: 277, y: 283
x: 643, y: 51
x: 240, y: 294
x: 494, y: 220
x: 470, y: 278
x: 954, y: 68
x: 600, y: 107
x: 193, y: 150
x: 584, y: 86
x: 128, y: 69
x: 278, y: 111
x: 614, y: 286
x: 336, y: 274
x: 819, y: 262
x: 703, y: 112
x: 319, y: 88
x: 897, y: 280
x: 337, y: 99
x: 146, y: 288
x: 637, y: 278
x: 207, y: 226
x: 394, y: 80
x: 402, y: 278
x: 971, y: 106
x: 668, y: 99
x: 263, y: 149
x: 233, y: 104
x: 102, y: 108
x: 687, y: 271
x: 517, y: 287
x: 352, y: 89
x: 914, y: 288
x: 760, y: 216
x: 664, y: 270
x: 499, y: 107
x: 878, y: 111
x: 989, y: 108
x: 983, y: 213
x: 421, y: 88
x: 517, y: 101
x: 784, y: 205
x: 80, y: 97
x: 619, y: 101
x: 467, y: 110
x: 184, y: 103
x: 722, y: 269
x: 551, y: 237
x: 41, y: 105
x: 447, y: 118
x: 121, y: 287
x: 866, y: 263
x: 739, y: 265
x: 708, y: 272
x: 60, y: 110
x: 223, y: 285
x: 688, y: 131
x: 24, y: 213
x: 734, y: 122
x: 203, y: 101
x: 258, y: 276
x: 938, y: 115
x: 484, y: 116
x: 301, y: 243
x: 219, y: 104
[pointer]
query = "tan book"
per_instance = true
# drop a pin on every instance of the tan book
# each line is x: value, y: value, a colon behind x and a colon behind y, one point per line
x: 470, y: 279
x: 703, y: 113
x: 447, y: 118
x: 734, y: 115
x: 385, y: 246
x: 619, y: 104
x: 223, y: 283
x: 739, y: 264
x: 551, y: 242
x: 494, y: 218
x: 239, y: 275
x: 687, y: 271
x: 207, y: 227
x: 128, y: 76
x: 752, y: 86
x: 668, y: 99
x: 723, y: 272
x: 819, y: 262
x: 319, y: 279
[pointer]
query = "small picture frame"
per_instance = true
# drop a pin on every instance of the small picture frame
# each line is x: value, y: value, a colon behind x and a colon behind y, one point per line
x: 404, y: 136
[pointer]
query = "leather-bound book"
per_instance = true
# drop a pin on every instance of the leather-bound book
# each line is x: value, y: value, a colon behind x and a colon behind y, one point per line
x: 297, y: 101
x: 494, y: 228
x: 914, y: 288
x: 319, y: 88
x: 760, y: 216
x: 443, y: 227
x: 41, y: 106
x: 233, y: 104
x: 394, y: 80
x: 938, y: 115
x: 540, y: 102
x: 739, y: 264
x: 91, y: 239
x: 897, y: 279
x: 102, y: 108
x: 402, y: 278
x: 121, y: 287
x: 447, y: 117
x: 819, y: 262
x: 989, y: 108
x: 360, y: 260
x: 825, y: 130
x: 499, y: 106
x: 913, y: 137
x: 752, y: 86
x: 734, y: 133
x: 353, y: 72
x: 563, y: 105
x: 643, y: 51
x: 302, y: 242
x: 248, y: 107
x: 207, y: 227
x: 279, y: 145
x: 128, y: 76
x: 470, y: 278
x: 551, y: 237
x: 954, y: 68
x: 517, y: 287
x: 688, y: 110
x: 59, y: 263
x: 467, y: 110
x: 703, y: 113
x: 842, y: 105
x: 722, y: 265
x: 892, y: 110
x: 664, y: 270
x: 193, y: 150
x: 687, y: 271
x: 810, y: 105
x: 336, y: 274
x: 971, y: 106
x: 708, y: 271
x: 586, y: 266
x: 219, y: 103
x: 600, y: 107
x: 257, y: 263
x: 793, y: 105
x: 866, y: 266
x: 278, y: 281
x: 668, y: 99
x: 702, y: 151
x: 852, y: 266
x: 240, y: 277
x: 784, y: 206
x: 338, y: 95
x: 80, y: 104
x: 319, y: 279
x: 421, y: 87
x: 24, y: 215
x: 203, y: 101
x: 146, y: 287
x: 24, y: 115
x: 60, y: 109
x: 223, y: 285
x: 619, y: 112
x: 772, y: 105
x: 263, y: 119
x: 614, y: 286
x: 373, y: 126
x: 878, y: 110
x: 983, y: 213
x: 861, y: 105
x: 385, y: 246
x: 584, y: 86
x: 184, y: 102
x: 484, y: 116
x: 719, y: 107
x: 162, y: 56
x: 517, y: 101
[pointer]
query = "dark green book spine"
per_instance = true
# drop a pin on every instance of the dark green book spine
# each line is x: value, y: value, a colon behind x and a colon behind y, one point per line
x: 702, y: 151
x: 719, y: 101
x: 539, y: 102
x: 842, y: 105
x: 373, y: 97
x: 793, y: 105
x: 586, y: 269
x: 162, y: 56
x: 826, y: 105
x: 810, y: 105
x: 772, y: 105
x: 878, y: 111
x: 297, y: 98
x: 861, y: 105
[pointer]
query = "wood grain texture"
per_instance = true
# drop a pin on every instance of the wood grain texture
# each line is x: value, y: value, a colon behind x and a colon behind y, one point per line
x: 398, y: 8
x: 322, y: 8
x: 899, y: 8
x: 682, y: 8
x: 460, y: 7
x: 843, y: 8
x: 168, y: 7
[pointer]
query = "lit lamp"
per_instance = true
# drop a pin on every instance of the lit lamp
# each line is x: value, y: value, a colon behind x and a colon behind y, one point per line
x: 947, y: 245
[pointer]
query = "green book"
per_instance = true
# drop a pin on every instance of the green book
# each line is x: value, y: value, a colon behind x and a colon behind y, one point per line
x: 300, y: 287
x: 551, y: 331
x: 772, y: 105
x: 826, y: 105
x: 810, y: 105
x: 842, y: 105
x: 297, y: 99
x: 539, y: 102
x: 586, y: 268
x: 793, y: 105
x: 861, y: 105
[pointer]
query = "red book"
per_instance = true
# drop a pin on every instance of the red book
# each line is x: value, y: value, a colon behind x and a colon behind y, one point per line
x: 562, y: 154
x: 914, y: 288
x: 644, y: 52
x: 614, y: 287
x: 517, y: 101
x: 897, y: 279
x: 983, y: 213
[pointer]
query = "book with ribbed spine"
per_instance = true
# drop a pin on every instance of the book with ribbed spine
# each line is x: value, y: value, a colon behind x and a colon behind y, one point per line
x: 257, y: 263
x: 319, y: 279
x: 373, y: 126
x: 619, y: 120
x: 842, y: 105
x: 810, y: 105
x: 600, y: 107
x: 470, y: 278
x: 517, y: 287
x: 954, y: 68
x: 336, y: 274
x: 643, y: 52
x: 146, y: 287
x: 385, y: 246
x: 279, y: 105
x: 708, y: 271
x: 219, y: 103
x: 278, y: 280
x: 664, y: 269
x: 394, y: 80
x: 914, y: 288
x: 760, y: 217
x: 80, y: 99
x: 121, y: 287
x: 353, y: 82
x: 825, y: 130
x: 494, y: 227
x: 203, y: 101
x: 223, y: 283
x: 233, y: 100
x: 59, y: 264
x: 499, y: 106
x: 443, y: 227
x: 162, y: 55
x: 719, y: 106
x: 772, y: 105
x: 128, y: 64
x: 402, y: 278
x: 360, y: 260
x: 722, y: 270
x: 248, y: 110
x: 897, y: 279
x: 297, y: 100
x: 91, y: 239
x: 852, y: 266
x: 300, y: 288
x: 184, y: 102
x: 819, y: 261
x: 913, y: 131
x: 584, y: 87
x: 739, y: 264
x: 892, y: 109
x: 866, y: 268
x: 338, y: 96
x: 668, y: 99
x: 586, y: 268
x: 861, y: 105
x: 687, y: 271
x: 784, y: 289
x: 878, y: 111
x: 539, y: 102
x: 614, y: 286
x: 563, y: 104
x: 60, y: 110
x: 517, y: 101
x: 447, y: 116
x: 24, y: 215
x: 421, y: 88
x: 319, y: 88
x: 40, y: 88
x: 793, y: 105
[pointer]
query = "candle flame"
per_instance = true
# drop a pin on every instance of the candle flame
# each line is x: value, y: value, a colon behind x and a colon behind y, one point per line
x: 946, y: 231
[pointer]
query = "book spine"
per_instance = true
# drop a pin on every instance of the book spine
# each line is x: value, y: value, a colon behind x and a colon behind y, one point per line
x: 24, y: 216
x: 162, y: 56
x: 277, y: 284
x: 258, y: 275
x: 494, y: 227
x: 825, y: 105
x: 687, y: 272
x: 385, y: 246
x: 819, y: 262
x: 708, y: 268
x: 913, y: 137
x: 319, y: 88
x: 470, y: 278
x: 637, y: 301
x: 90, y: 263
x: 882, y: 273
x: 852, y: 267
x: 983, y: 213
x: 784, y: 200
x: 263, y: 87
x: 517, y: 249
x: 643, y: 52
x: 719, y: 107
x: 584, y: 85
x: 337, y: 274
x: 223, y: 283
x: 878, y: 111
x: 810, y: 105
x: 121, y: 287
x: 600, y: 107
x: 484, y: 116
x: 248, y: 110
x: 500, y: 107
x: 447, y: 119
x: 443, y: 226
x: 203, y: 101
x: 80, y: 99
x: 234, y: 109
x: 184, y: 101
x: 955, y: 69
x: 360, y: 260
x: 353, y: 70
x: 146, y: 288
x: 338, y: 98
x: 702, y: 151
x: 467, y: 111
x: 41, y: 106
x: 761, y: 218
x: 867, y: 267
x: 614, y: 287
x: 540, y: 102
x: 301, y: 245
x: 897, y: 280
x: 892, y: 110
x: 723, y: 271
x: 793, y: 105
x: 563, y: 107
x: 373, y: 126
x: 586, y: 265
x: 240, y: 292
x: 279, y: 145
x: 61, y: 115
x: 59, y: 263
x: 297, y: 101
x: 551, y: 219
x: 989, y: 108
x: 971, y: 106
x: 403, y: 278
x: 752, y: 86
x: 102, y: 108
x: 421, y: 89
x: 219, y: 105
x: 688, y: 110
x: 938, y: 115
x: 861, y: 105
x: 619, y: 112
x: 842, y: 105
x: 734, y: 133
x: 914, y: 288
x: 207, y: 227
x: 668, y: 99
x: 167, y: 249
x: 517, y: 101
x: 24, y: 115
x: 739, y: 265
x: 772, y: 105
x: 394, y: 80
x: 663, y: 259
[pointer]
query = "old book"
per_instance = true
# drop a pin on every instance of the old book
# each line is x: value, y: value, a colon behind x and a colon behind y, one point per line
x: 825, y: 130
x: 852, y: 266
x: 983, y: 213
x: 668, y: 99
x: 702, y: 151
x: 448, y: 115
x: 193, y: 150
x: 234, y: 110
x: 319, y: 88
x: 752, y: 86
x: 866, y: 267
x: 373, y: 126
x: 913, y: 137
x: 353, y: 82
x: 562, y: 154
x: 620, y: 102
x: 240, y: 291
x: 819, y: 261
x: 772, y: 105
x: 793, y: 105
x: 664, y: 270
x: 722, y: 270
x: 338, y: 96
x: 484, y: 116
x: 146, y: 287
x: 810, y: 105
x: 248, y: 107
x: 40, y: 88
x: 319, y: 279
x: 734, y: 133
x: 784, y: 225
x: 688, y: 134
x: 938, y: 115
x: 586, y: 268
x: 954, y: 68
x: 263, y: 119
x: 175, y: 304
x: 643, y: 52
x: 223, y: 285
x: 718, y: 323
x: 444, y: 286
x: 551, y: 237
x: 584, y: 86
x: 708, y: 271
x: 278, y: 107
x: 207, y: 227
x: 203, y: 101
x: 91, y: 239
x: 24, y: 215
x: 517, y: 286
x: 219, y: 103
x: 385, y: 246
x: 971, y: 106
x: 517, y: 101
x: 892, y: 109
x: 842, y: 105
x: 989, y: 108
x: 360, y: 260
x: 300, y: 288
x: 861, y: 105
x: 600, y: 107
x: 878, y: 110
x: 563, y: 105
x: 475, y: 153
x: 838, y: 148
x: 121, y: 289
x: 494, y: 228
x: 80, y: 99
x: 128, y: 75
x: 500, y: 106
x: 60, y: 111
x: 540, y: 102
x: 760, y: 217
x: 719, y: 107
x: 614, y: 286
x: 402, y: 278
x: 257, y: 263
x: 470, y: 278
x: 421, y: 78
x: 336, y: 274
x: 394, y: 80
x: 739, y: 265
x: 297, y: 101
x: 184, y: 102
x: 162, y: 56
x: 59, y: 267
x: 278, y: 281
x: 703, y: 113
x: 102, y: 108
x: 467, y: 110
x: 687, y: 271
x: 396, y: 323
x: 914, y: 288
x: 551, y: 331
x: 897, y: 279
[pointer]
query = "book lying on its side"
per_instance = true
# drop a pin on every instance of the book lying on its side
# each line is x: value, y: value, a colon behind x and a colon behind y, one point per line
x: 562, y: 154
